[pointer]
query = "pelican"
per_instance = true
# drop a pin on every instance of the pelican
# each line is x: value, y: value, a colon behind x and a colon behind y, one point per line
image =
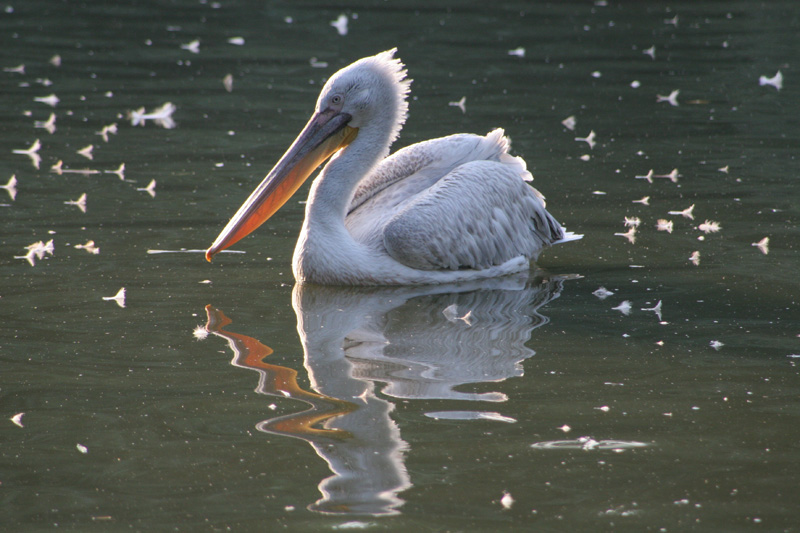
x: 451, y: 209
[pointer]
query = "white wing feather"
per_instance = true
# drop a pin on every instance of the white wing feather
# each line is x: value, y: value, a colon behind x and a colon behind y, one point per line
x: 415, y: 168
x: 481, y: 214
x: 452, y: 203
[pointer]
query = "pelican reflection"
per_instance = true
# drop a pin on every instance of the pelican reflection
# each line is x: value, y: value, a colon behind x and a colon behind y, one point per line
x: 365, y: 346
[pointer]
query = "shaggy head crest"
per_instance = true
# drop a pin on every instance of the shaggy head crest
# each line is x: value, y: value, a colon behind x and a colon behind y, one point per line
x: 373, y: 84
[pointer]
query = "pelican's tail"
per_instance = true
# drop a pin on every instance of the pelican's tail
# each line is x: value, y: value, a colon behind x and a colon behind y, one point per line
x: 568, y: 236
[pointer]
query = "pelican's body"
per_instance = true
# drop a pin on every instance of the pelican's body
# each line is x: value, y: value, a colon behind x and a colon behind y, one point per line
x: 449, y: 209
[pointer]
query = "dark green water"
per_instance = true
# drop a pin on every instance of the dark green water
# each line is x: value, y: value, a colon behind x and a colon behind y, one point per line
x: 400, y: 419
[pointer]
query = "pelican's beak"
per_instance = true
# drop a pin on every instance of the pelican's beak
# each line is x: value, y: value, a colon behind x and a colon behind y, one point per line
x: 326, y: 132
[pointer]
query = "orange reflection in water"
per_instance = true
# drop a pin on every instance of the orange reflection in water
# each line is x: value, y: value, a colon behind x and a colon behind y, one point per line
x: 281, y: 381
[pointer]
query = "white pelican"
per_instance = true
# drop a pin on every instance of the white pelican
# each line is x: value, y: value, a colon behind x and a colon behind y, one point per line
x: 445, y: 210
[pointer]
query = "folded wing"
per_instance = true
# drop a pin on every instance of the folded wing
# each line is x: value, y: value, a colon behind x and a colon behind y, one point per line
x: 458, y: 202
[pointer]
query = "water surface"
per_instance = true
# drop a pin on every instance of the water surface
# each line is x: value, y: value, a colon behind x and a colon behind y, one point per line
x: 223, y: 397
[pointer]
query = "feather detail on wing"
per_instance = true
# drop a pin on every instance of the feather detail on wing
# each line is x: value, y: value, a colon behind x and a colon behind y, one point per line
x: 479, y: 215
x: 414, y: 168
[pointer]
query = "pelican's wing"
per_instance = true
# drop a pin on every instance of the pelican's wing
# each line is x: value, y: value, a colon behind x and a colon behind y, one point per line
x: 411, y: 171
x: 480, y: 214
x: 415, y: 168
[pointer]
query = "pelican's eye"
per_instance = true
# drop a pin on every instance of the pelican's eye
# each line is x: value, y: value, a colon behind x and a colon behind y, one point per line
x: 337, y: 99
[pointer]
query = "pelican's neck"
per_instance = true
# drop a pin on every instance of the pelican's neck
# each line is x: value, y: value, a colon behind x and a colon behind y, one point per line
x: 326, y: 252
x: 333, y: 190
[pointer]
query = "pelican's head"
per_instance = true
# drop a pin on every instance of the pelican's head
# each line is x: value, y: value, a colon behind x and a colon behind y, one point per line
x: 368, y: 95
x: 371, y: 90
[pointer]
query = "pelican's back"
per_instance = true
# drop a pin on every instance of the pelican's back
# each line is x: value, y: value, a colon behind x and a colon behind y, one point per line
x: 457, y: 202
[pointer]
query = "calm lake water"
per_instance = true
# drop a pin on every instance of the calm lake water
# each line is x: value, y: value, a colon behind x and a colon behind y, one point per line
x: 222, y: 397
